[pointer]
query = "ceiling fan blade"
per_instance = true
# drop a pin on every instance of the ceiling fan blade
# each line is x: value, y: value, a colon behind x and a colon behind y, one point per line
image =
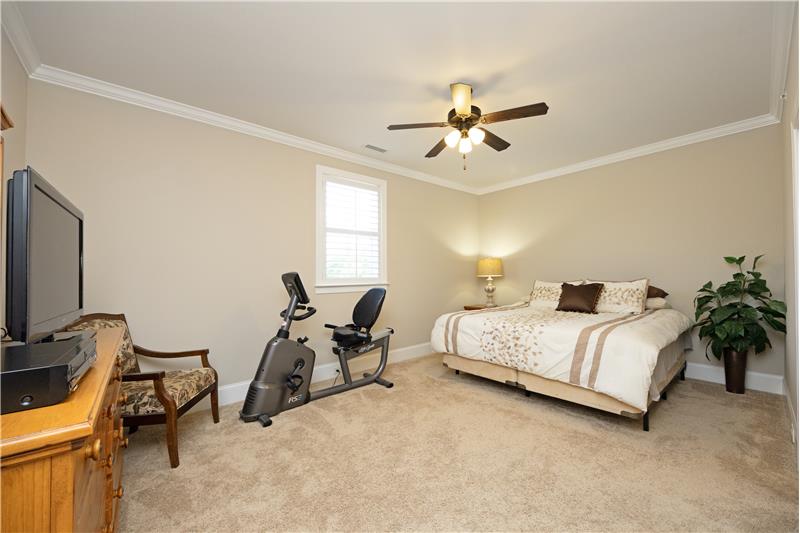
x: 533, y: 110
x: 436, y: 149
x: 494, y: 141
x: 418, y: 125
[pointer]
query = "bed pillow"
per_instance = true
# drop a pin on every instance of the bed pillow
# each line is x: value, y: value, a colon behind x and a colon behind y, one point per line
x: 622, y: 296
x: 656, y: 303
x: 548, y: 293
x: 579, y: 298
x: 655, y: 292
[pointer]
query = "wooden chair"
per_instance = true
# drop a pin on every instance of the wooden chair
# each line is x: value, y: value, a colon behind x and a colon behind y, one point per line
x: 156, y: 397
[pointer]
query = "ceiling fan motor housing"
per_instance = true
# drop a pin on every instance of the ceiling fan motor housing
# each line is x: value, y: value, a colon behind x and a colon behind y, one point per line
x: 461, y: 123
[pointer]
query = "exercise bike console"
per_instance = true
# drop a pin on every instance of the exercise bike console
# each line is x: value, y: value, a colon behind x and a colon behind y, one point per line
x: 284, y: 374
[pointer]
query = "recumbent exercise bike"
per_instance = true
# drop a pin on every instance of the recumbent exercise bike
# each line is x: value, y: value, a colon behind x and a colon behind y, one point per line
x: 284, y: 374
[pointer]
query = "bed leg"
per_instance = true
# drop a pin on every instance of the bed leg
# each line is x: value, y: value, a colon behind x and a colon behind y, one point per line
x: 528, y: 393
x: 664, y: 395
x: 458, y: 372
x: 683, y: 372
x: 646, y: 421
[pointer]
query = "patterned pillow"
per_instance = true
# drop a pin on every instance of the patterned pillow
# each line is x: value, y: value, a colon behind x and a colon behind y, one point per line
x: 548, y: 293
x: 622, y: 296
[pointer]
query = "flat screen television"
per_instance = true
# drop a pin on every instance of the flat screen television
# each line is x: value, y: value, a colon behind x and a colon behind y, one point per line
x: 44, y: 269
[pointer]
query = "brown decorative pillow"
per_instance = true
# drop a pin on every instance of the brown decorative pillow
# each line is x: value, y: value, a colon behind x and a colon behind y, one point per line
x: 655, y: 292
x: 579, y: 298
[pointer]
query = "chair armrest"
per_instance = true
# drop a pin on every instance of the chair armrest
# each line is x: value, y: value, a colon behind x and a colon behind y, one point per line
x: 144, y: 376
x: 168, y: 355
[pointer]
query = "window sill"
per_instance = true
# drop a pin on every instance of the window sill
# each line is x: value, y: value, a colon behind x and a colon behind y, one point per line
x: 333, y: 288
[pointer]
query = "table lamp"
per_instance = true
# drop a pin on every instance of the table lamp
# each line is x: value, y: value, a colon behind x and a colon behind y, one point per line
x: 489, y: 268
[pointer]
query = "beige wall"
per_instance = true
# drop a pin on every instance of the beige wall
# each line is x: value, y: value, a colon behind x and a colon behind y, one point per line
x: 188, y: 228
x: 790, y: 235
x: 669, y: 216
x: 14, y: 96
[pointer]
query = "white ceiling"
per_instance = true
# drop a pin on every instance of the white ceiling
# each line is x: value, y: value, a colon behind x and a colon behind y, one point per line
x: 616, y: 76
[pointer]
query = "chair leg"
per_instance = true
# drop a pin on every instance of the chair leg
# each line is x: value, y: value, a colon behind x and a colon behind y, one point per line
x: 215, y: 403
x: 132, y: 429
x: 172, y: 438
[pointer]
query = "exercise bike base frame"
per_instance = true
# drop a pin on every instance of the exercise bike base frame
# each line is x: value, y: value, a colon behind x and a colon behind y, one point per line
x: 345, y: 354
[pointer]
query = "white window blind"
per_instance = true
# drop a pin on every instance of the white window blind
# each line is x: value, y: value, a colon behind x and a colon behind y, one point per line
x: 350, y: 229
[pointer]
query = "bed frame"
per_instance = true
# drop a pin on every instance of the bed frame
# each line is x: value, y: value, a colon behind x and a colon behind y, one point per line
x: 565, y: 391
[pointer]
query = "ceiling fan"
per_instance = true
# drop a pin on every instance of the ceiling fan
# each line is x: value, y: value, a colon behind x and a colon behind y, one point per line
x: 468, y: 122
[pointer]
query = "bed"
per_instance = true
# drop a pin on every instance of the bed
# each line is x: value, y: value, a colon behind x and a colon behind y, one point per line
x: 616, y: 362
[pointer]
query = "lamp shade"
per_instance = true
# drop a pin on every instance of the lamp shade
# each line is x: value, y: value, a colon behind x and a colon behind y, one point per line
x: 490, y: 267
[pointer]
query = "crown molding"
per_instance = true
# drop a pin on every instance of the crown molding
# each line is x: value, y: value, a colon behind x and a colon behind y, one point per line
x: 783, y: 16
x: 17, y: 32
x: 105, y: 89
x: 639, y: 151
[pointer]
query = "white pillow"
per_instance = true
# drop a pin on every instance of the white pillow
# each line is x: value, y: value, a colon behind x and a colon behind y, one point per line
x: 622, y: 296
x: 656, y: 303
x: 548, y: 293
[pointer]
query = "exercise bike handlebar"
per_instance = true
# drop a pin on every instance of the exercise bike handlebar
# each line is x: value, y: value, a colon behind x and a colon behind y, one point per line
x: 310, y: 311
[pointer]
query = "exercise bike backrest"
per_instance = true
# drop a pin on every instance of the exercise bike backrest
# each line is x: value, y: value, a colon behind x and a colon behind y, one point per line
x: 368, y: 308
x: 297, y: 300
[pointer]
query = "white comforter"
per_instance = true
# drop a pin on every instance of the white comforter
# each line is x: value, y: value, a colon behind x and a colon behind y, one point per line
x: 611, y: 353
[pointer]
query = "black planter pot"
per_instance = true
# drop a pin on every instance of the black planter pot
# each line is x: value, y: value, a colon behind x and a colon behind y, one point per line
x: 735, y: 368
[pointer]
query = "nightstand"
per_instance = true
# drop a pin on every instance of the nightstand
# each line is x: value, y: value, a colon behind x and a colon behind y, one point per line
x: 474, y: 307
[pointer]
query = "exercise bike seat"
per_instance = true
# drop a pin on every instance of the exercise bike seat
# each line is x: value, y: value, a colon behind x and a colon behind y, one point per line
x: 350, y: 335
x: 365, y: 314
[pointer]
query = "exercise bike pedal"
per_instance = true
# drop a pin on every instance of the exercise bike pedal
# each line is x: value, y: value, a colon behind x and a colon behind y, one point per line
x: 380, y: 381
x: 265, y: 421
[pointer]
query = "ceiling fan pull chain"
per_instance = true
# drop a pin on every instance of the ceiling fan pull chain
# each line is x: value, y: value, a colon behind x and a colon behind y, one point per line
x: 465, y: 161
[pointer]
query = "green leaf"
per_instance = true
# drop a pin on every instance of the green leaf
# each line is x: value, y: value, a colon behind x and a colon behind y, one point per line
x: 731, y: 260
x: 734, y: 328
x: 740, y: 345
x: 774, y: 323
x: 755, y: 274
x: 721, y: 332
x: 777, y: 305
x: 722, y: 313
x: 707, y: 286
x: 740, y: 260
x: 755, y: 261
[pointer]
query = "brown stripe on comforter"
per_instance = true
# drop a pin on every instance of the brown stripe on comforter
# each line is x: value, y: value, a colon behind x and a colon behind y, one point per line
x: 601, y: 341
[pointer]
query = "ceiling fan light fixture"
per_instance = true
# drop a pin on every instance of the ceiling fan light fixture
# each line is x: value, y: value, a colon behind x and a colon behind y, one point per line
x: 464, y: 145
x: 462, y: 98
x: 476, y: 135
x: 452, y: 138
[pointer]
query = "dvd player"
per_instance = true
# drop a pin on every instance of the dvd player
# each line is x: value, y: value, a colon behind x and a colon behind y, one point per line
x: 44, y: 373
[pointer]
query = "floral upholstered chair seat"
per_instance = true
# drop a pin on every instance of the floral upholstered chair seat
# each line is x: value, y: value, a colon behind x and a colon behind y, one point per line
x: 182, y: 385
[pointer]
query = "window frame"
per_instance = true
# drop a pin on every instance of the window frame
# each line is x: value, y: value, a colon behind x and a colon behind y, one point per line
x: 324, y: 285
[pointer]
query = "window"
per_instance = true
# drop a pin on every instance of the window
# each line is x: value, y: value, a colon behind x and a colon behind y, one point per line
x: 351, y: 231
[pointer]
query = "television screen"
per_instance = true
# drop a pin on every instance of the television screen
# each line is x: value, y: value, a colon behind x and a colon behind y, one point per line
x: 55, y: 260
x: 44, y: 278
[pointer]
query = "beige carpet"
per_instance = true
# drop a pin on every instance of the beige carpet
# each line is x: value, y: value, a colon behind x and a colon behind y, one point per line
x: 447, y: 452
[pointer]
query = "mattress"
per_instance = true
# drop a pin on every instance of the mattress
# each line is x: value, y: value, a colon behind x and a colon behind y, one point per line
x: 611, y: 353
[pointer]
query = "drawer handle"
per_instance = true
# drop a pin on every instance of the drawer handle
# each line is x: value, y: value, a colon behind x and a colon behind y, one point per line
x: 119, y: 492
x: 92, y: 450
x: 122, y: 398
x: 124, y: 442
x: 118, y: 374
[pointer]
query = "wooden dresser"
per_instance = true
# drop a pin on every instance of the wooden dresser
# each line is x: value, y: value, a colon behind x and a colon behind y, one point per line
x: 62, y: 464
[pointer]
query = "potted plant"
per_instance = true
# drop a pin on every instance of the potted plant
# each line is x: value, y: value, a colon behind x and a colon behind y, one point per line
x: 730, y: 317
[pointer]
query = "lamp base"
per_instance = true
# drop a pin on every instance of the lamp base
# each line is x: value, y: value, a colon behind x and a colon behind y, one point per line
x: 489, y: 290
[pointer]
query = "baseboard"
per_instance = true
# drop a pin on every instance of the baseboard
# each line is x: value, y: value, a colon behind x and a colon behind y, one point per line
x: 236, y: 392
x: 753, y: 380
x: 792, y: 411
